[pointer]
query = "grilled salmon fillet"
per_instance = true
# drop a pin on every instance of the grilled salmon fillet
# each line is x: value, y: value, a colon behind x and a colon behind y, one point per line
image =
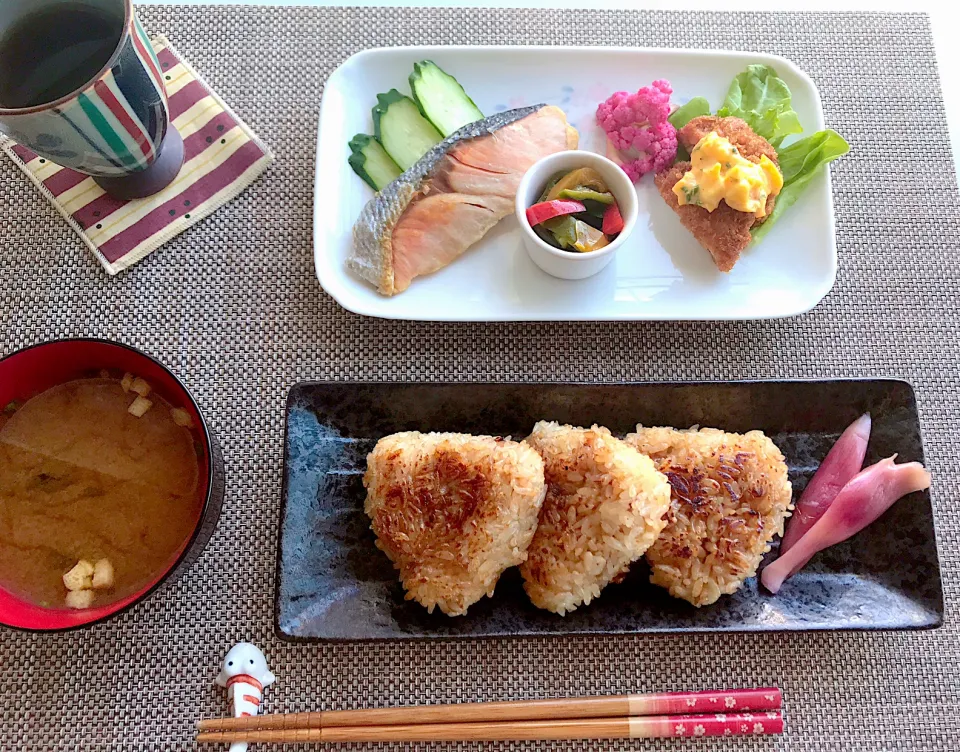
x: 453, y: 196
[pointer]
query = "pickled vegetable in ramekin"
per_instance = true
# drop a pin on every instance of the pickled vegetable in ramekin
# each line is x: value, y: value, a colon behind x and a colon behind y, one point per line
x: 576, y: 212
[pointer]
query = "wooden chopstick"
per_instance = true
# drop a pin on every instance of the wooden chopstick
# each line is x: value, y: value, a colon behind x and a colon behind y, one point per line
x: 617, y: 706
x: 639, y: 727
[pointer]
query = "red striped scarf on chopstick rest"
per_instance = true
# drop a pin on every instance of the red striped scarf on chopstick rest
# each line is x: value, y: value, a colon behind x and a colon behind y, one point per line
x: 222, y: 157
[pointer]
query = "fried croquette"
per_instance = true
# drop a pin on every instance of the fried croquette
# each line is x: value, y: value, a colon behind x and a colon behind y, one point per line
x: 735, y: 130
x: 724, y: 232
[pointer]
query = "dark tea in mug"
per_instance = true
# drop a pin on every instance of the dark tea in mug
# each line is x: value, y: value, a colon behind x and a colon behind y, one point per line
x: 55, y: 50
x: 81, y: 85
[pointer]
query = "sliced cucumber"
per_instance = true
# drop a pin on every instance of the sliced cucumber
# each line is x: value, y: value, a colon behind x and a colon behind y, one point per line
x: 441, y: 98
x: 401, y: 129
x: 371, y: 162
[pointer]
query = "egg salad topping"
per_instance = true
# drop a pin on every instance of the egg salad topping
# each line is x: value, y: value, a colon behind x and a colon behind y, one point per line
x: 718, y: 172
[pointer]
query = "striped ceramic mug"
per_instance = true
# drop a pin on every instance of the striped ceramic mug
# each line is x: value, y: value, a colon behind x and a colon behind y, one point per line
x: 81, y: 85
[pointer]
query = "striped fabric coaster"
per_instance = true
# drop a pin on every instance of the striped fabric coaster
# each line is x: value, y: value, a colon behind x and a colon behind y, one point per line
x: 222, y: 157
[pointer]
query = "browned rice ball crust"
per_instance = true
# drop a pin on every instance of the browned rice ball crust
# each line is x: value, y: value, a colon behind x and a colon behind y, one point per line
x: 452, y: 512
x: 730, y: 496
x: 605, y: 506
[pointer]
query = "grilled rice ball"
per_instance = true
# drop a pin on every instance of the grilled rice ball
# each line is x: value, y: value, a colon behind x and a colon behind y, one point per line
x: 730, y: 497
x: 452, y: 512
x: 605, y: 506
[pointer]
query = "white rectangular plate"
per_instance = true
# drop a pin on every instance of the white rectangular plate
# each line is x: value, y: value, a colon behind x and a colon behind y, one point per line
x: 661, y: 273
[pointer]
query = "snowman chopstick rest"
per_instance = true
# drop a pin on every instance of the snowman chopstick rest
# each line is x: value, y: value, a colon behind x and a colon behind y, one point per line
x: 244, y: 674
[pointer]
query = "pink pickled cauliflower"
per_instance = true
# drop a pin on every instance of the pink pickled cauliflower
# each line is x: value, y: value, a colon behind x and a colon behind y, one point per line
x: 637, y: 127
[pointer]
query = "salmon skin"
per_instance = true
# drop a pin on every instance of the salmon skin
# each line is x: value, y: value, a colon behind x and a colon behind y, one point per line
x: 453, y: 195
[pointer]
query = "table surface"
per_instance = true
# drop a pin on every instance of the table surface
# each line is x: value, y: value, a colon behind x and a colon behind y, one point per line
x: 944, y: 18
x: 233, y: 307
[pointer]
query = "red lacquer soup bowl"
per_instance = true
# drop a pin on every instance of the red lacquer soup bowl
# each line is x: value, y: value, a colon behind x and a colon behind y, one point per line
x: 29, y: 372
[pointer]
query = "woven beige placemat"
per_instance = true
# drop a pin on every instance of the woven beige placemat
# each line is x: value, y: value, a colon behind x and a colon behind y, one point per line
x: 222, y: 157
x: 233, y: 307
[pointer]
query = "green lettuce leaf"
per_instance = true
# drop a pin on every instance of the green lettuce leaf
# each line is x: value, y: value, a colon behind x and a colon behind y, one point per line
x: 682, y: 115
x: 762, y: 99
x: 799, y: 163
x: 694, y: 108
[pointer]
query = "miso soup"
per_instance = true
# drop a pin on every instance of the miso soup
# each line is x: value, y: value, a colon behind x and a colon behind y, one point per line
x: 84, y: 479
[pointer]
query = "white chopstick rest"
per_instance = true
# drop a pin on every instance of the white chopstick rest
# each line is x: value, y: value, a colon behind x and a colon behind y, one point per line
x: 244, y: 674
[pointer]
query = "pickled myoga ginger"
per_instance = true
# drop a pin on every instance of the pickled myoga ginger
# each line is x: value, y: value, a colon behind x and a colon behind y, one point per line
x: 842, y: 463
x: 861, y: 501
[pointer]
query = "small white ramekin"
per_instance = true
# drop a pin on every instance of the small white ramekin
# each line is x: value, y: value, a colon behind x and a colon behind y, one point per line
x: 567, y: 264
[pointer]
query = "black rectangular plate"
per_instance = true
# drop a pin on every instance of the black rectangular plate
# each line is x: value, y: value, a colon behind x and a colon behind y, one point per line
x: 334, y: 584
